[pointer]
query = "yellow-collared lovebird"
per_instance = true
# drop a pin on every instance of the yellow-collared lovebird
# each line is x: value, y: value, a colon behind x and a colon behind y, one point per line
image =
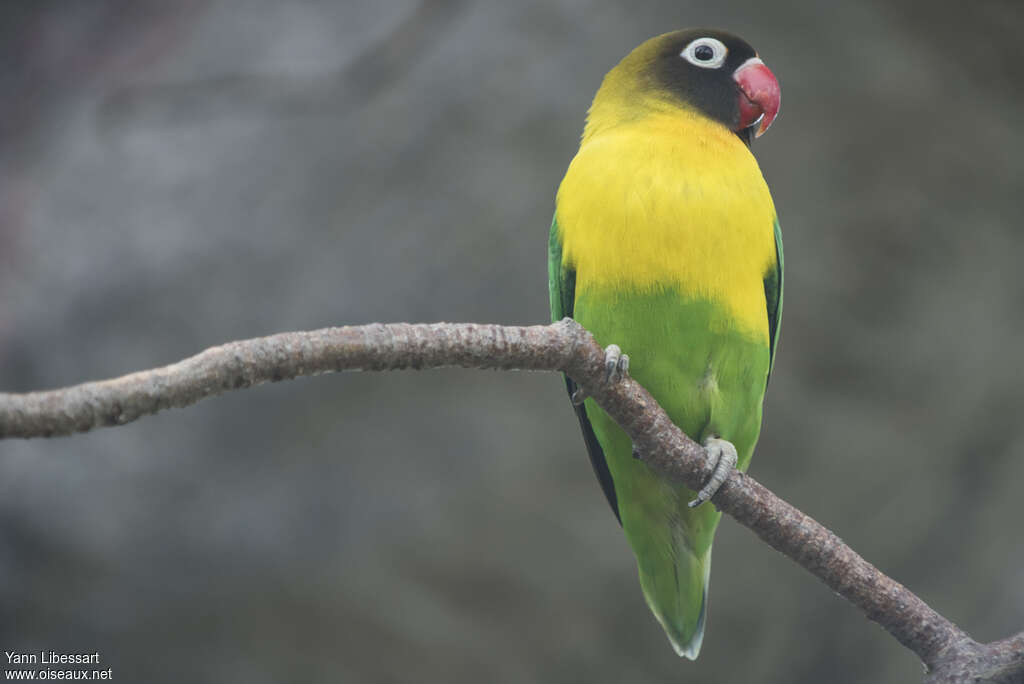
x: 665, y: 243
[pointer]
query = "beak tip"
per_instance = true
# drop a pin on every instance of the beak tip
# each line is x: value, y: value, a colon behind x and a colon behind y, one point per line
x: 762, y: 125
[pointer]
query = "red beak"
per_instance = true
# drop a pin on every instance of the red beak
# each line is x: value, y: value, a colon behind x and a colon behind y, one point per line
x: 760, y: 95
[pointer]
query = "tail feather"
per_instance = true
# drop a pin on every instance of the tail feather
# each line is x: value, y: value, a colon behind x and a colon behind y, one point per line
x: 676, y: 589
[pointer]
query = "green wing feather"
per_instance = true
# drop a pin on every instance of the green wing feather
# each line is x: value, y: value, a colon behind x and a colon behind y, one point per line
x: 773, y: 285
x: 562, y: 291
x: 561, y: 281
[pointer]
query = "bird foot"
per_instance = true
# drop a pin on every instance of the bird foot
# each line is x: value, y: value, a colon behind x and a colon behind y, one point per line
x: 616, y: 364
x: 725, y: 457
x: 616, y: 367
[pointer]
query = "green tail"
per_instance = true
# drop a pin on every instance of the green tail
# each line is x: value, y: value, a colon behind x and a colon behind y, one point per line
x: 674, y: 587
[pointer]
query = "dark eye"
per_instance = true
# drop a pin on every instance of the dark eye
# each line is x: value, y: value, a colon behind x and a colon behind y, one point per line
x: 706, y: 52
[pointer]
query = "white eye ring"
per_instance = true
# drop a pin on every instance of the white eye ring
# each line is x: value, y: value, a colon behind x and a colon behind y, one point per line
x: 718, y: 53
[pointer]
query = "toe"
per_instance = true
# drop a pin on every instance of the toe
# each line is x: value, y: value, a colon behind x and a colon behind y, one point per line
x: 723, y: 453
x: 612, y: 354
x: 616, y: 364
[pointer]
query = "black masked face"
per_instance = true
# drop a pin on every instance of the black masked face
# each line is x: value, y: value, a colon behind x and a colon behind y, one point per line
x: 698, y: 67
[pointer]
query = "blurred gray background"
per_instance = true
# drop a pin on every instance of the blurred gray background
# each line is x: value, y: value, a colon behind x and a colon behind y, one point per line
x: 174, y: 175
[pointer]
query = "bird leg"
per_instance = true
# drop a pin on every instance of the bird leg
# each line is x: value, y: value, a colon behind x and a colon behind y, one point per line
x: 616, y: 366
x: 725, y: 457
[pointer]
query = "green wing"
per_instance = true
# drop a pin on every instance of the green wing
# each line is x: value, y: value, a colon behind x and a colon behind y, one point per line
x: 773, y: 282
x: 562, y: 291
x: 561, y: 282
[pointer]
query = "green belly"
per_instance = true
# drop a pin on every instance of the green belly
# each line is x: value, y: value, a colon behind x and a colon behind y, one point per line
x: 711, y: 381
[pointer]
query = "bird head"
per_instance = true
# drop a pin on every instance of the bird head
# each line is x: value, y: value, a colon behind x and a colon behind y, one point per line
x: 712, y: 72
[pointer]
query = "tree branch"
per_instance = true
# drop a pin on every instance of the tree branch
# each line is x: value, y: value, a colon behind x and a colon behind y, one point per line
x: 948, y: 653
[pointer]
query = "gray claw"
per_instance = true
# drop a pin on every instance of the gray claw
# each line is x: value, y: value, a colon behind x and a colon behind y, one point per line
x: 725, y: 457
x: 616, y: 364
x: 578, y: 397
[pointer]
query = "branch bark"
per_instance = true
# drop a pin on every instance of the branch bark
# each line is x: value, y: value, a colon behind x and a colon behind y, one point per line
x: 949, y: 654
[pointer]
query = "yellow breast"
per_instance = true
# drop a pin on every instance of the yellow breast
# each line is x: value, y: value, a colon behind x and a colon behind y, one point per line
x: 670, y: 200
